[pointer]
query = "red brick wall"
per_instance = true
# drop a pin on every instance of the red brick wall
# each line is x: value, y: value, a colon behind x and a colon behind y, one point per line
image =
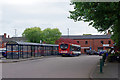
x: 94, y: 43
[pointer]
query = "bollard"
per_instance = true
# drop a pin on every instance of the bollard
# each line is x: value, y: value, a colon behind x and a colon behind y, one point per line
x: 103, y: 61
x: 101, y: 65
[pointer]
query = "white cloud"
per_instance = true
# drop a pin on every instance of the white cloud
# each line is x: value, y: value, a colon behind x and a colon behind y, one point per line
x: 29, y: 2
x: 19, y: 2
x: 21, y: 14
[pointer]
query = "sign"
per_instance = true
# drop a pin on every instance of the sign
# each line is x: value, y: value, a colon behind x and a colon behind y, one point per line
x: 85, y: 47
x: 40, y: 41
x: 90, y: 48
x: 105, y: 44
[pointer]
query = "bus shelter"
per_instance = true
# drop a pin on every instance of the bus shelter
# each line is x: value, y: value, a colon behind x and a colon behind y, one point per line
x: 16, y: 50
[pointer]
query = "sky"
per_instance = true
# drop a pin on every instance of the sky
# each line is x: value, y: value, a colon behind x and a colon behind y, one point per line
x: 22, y: 14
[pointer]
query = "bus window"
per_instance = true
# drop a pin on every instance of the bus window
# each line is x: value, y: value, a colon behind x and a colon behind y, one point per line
x: 64, y: 46
x: 78, y: 49
x: 74, y: 48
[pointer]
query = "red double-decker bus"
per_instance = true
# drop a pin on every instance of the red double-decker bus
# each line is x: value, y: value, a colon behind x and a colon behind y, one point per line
x: 68, y: 49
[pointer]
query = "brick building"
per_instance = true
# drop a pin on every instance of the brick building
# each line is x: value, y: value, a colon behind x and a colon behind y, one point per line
x: 87, y: 42
x: 92, y: 42
x: 4, y: 39
x: 2, y: 42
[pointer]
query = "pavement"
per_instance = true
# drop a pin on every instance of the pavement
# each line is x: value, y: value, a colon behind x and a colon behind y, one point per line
x: 110, y: 72
x: 4, y: 60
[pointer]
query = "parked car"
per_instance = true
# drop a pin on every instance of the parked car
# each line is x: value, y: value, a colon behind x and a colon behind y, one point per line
x: 95, y: 52
x: 102, y: 52
x: 91, y: 52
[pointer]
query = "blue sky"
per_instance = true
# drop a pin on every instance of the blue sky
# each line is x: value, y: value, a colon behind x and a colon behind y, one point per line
x: 22, y: 14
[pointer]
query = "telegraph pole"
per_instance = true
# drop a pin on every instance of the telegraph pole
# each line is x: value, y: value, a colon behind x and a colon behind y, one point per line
x: 15, y: 32
x: 68, y: 32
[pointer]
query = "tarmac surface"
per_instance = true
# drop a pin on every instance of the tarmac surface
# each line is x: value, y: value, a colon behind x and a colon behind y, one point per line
x: 51, y: 67
x: 110, y: 70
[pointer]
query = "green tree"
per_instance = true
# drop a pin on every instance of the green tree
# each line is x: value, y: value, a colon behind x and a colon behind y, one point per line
x: 48, y: 35
x: 32, y: 34
x: 87, y: 34
x: 51, y: 35
x: 101, y: 15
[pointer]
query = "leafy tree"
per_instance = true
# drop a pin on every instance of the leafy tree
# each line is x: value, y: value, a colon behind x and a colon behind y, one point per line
x: 33, y: 34
x: 51, y: 35
x: 87, y: 34
x: 101, y: 15
x: 48, y: 35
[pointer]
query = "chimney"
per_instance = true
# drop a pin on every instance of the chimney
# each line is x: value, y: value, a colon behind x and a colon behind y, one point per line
x: 108, y: 32
x: 8, y: 36
x: 4, y: 35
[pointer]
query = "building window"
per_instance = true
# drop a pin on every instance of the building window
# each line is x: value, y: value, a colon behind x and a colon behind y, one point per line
x: 86, y: 42
x: 101, y: 42
x: 85, y: 50
x: 109, y: 42
x: 78, y: 42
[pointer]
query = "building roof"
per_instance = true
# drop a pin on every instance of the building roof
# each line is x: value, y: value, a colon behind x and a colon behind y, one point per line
x: 15, y: 39
x: 66, y: 40
x: 28, y: 43
x: 87, y: 36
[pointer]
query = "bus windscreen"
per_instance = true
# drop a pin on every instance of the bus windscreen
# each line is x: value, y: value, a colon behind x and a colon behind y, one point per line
x: 64, y: 46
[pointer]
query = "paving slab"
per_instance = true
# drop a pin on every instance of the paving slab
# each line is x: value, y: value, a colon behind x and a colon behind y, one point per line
x: 110, y: 72
x: 4, y: 60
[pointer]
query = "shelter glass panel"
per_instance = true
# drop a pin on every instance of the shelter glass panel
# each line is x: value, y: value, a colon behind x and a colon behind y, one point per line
x: 20, y: 51
x: 29, y: 51
x: 55, y: 50
x: 33, y: 50
x: 9, y: 51
x: 25, y: 52
x: 42, y: 50
x: 15, y: 52
x: 39, y: 50
x: 36, y: 51
x: 48, y: 50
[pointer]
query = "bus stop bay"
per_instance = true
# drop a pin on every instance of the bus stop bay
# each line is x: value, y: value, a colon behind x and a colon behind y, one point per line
x: 16, y: 50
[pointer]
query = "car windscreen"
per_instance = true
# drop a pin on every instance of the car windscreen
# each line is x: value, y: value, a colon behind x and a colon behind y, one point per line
x: 64, y: 46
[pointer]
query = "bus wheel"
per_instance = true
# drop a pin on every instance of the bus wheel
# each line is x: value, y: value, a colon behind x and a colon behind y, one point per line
x: 63, y: 55
x: 73, y: 55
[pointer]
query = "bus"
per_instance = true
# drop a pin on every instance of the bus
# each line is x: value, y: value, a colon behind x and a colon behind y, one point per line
x: 68, y: 49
